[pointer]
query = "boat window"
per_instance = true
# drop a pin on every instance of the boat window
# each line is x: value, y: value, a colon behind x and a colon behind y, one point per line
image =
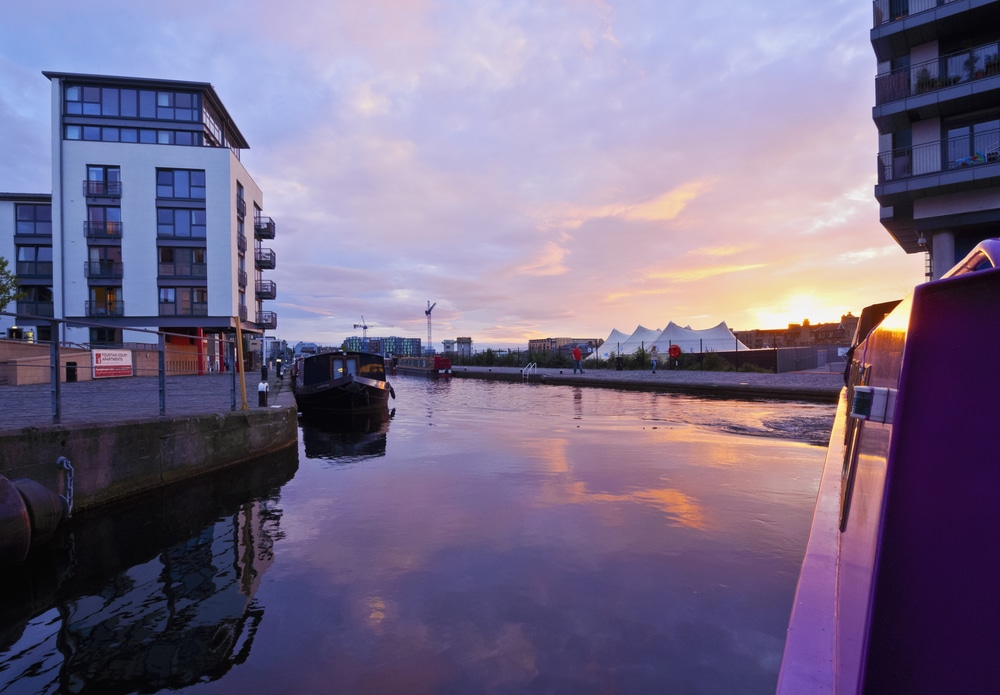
x: 352, y: 366
x: 338, y: 368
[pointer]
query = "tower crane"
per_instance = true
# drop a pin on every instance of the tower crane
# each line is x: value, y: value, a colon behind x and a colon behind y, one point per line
x: 430, y: 308
x: 364, y: 326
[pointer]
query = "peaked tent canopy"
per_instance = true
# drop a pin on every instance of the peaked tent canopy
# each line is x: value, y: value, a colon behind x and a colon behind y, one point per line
x: 716, y: 339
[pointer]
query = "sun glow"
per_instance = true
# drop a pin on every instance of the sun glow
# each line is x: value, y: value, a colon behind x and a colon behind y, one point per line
x: 797, y: 308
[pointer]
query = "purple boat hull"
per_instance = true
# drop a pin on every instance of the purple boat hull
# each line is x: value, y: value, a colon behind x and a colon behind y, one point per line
x: 900, y: 586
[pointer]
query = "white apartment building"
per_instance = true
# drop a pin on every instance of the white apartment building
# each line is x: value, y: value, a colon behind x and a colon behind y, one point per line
x: 937, y: 109
x: 147, y: 223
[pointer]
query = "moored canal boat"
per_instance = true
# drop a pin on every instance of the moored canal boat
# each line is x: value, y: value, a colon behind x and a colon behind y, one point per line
x: 898, y: 588
x: 340, y: 383
x: 433, y: 367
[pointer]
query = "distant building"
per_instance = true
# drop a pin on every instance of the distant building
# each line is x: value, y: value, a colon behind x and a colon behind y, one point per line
x: 937, y: 110
x: 392, y: 345
x: 146, y: 223
x: 802, y: 334
x: 562, y: 344
x: 463, y: 347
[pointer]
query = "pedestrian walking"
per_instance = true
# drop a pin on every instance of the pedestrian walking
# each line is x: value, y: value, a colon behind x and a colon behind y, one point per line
x: 653, y: 357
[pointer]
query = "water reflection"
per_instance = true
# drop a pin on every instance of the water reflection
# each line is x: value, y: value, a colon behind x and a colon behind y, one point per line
x: 346, y: 438
x: 155, y: 594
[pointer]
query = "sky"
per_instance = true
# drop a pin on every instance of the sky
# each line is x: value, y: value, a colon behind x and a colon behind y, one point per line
x: 534, y: 168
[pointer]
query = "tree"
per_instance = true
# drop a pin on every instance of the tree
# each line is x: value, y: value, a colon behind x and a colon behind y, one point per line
x: 8, y: 286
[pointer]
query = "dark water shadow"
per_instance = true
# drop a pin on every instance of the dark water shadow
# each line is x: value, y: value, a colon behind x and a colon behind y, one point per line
x: 346, y: 438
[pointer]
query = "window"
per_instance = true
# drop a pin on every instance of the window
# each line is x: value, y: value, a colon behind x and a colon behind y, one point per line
x: 182, y: 262
x: 34, y: 219
x: 104, y: 180
x: 82, y: 100
x: 180, y: 223
x: 183, y: 301
x: 34, y: 261
x: 180, y: 183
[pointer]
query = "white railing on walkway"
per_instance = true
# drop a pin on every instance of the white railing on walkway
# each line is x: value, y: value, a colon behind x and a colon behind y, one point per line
x: 528, y: 369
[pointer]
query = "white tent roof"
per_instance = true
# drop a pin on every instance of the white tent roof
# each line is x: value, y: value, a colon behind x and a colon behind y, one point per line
x: 610, y: 345
x: 716, y: 339
x: 641, y: 337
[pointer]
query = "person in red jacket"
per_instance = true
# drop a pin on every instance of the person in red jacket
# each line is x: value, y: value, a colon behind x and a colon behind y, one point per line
x: 577, y: 359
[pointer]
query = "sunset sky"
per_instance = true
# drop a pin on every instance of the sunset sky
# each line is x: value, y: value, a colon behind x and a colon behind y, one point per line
x: 536, y: 168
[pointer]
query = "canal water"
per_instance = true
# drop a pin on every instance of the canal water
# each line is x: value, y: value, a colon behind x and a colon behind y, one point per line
x: 488, y: 538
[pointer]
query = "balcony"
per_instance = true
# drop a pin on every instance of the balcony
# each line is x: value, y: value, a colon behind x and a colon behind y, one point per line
x: 183, y: 270
x: 890, y: 10
x: 266, y: 289
x: 241, y: 243
x: 942, y: 166
x: 267, y: 320
x: 194, y: 309
x: 103, y: 270
x: 933, y: 75
x: 243, y: 312
x: 102, y: 189
x: 241, y: 277
x: 241, y: 207
x: 264, y: 259
x: 32, y: 308
x: 110, y: 307
x: 263, y: 228
x: 102, y: 230
x: 34, y: 269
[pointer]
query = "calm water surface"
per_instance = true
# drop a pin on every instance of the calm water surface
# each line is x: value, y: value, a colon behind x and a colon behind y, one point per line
x: 490, y: 537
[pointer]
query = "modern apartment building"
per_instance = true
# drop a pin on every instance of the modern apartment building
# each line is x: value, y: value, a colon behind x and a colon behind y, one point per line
x: 937, y: 109
x: 153, y: 222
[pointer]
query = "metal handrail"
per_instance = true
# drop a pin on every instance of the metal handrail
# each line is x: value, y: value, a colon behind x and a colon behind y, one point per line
x: 926, y: 76
x: 528, y: 369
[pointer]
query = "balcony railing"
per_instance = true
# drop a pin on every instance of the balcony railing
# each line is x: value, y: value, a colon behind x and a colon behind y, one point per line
x: 264, y: 259
x: 195, y: 309
x: 31, y: 308
x: 105, y: 308
x: 945, y: 71
x: 263, y: 228
x: 241, y: 207
x: 243, y: 312
x: 34, y: 269
x: 268, y: 320
x: 886, y: 11
x: 102, y: 230
x: 103, y: 270
x: 241, y: 243
x: 102, y: 189
x: 241, y: 277
x: 183, y: 270
x: 941, y: 155
x: 266, y: 289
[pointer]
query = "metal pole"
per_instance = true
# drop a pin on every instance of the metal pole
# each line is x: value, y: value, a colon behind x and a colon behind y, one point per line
x: 163, y: 373
x: 54, y: 378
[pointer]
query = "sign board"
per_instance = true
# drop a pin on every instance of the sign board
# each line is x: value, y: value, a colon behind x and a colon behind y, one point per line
x: 111, y: 363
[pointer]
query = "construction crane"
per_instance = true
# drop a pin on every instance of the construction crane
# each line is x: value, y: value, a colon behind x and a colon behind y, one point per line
x: 430, y: 308
x: 364, y: 326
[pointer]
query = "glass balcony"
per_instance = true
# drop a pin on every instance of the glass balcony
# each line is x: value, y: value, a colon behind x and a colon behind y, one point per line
x: 103, y: 270
x: 31, y: 308
x: 265, y: 259
x: 102, y: 189
x: 932, y: 75
x: 102, y: 230
x: 263, y: 228
x: 183, y: 270
x: 266, y: 289
x: 34, y: 269
x: 110, y: 307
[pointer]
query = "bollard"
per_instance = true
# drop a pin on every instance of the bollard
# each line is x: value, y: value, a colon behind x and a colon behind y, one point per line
x: 262, y: 394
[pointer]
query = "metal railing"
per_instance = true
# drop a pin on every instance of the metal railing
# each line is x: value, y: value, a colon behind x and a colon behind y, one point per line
x: 241, y: 243
x: 265, y: 258
x: 35, y: 308
x: 528, y: 369
x: 267, y: 320
x: 267, y: 289
x: 241, y: 207
x: 184, y: 270
x: 104, y: 308
x: 103, y: 270
x: 263, y: 228
x: 885, y: 11
x: 931, y: 75
x: 940, y: 155
x: 102, y: 230
x: 102, y: 189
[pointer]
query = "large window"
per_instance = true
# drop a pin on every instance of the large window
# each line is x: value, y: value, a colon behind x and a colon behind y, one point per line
x: 104, y: 180
x: 182, y: 262
x: 34, y: 219
x: 180, y: 183
x: 34, y: 261
x: 183, y: 301
x: 84, y: 100
x: 180, y: 223
x: 145, y: 136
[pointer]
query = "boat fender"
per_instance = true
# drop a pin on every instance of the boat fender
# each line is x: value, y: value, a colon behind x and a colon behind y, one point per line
x: 45, y: 509
x: 392, y: 391
x: 15, y: 525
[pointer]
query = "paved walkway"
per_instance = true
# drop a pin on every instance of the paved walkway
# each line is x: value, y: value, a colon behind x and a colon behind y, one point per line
x: 821, y: 385
x: 117, y: 400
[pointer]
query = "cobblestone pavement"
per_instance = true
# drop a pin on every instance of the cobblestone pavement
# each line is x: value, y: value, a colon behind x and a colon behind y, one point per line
x: 117, y: 400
